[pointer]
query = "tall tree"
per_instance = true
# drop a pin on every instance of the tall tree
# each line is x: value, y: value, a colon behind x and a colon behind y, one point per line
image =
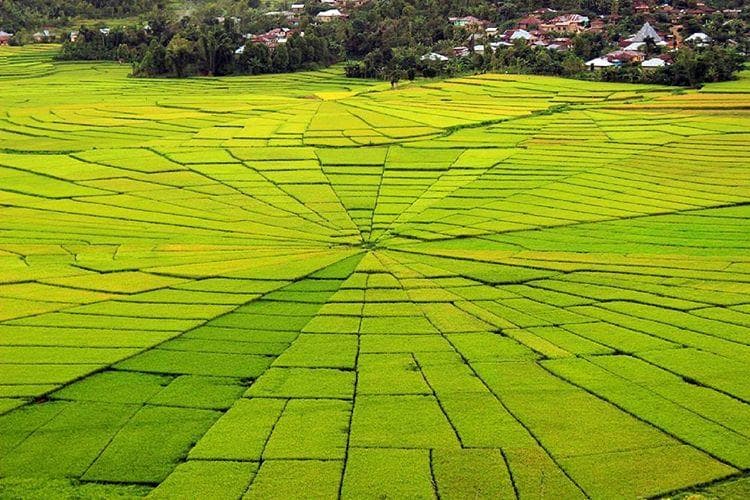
x: 179, y: 54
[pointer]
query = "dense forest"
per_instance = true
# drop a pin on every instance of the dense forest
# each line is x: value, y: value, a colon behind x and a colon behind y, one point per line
x: 18, y: 15
x: 388, y: 39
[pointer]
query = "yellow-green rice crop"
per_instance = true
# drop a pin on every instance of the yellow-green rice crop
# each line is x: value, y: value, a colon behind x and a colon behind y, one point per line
x: 306, y: 286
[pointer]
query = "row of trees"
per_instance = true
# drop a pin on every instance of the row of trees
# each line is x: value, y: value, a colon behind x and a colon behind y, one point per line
x: 691, y: 66
x: 188, y: 48
x: 213, y: 54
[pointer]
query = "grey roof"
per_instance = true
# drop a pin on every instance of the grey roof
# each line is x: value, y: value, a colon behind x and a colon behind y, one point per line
x: 646, y: 31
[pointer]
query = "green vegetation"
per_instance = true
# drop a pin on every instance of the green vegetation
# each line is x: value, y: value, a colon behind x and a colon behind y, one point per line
x: 403, y: 40
x: 312, y: 286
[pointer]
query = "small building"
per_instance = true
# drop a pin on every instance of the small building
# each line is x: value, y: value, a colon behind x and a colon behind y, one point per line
x: 626, y: 56
x: 327, y: 16
x: 654, y: 62
x: 273, y: 38
x: 634, y: 46
x: 5, y: 37
x: 497, y: 45
x: 469, y: 22
x: 698, y: 39
x: 568, y: 23
x: 560, y: 44
x: 44, y: 36
x: 461, y: 51
x: 521, y: 35
x: 529, y: 23
x: 434, y: 56
x: 647, y: 31
x: 598, y: 63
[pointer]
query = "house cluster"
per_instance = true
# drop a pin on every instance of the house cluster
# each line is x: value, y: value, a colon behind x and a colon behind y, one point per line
x: 551, y: 33
x: 330, y: 10
x: 547, y: 28
x: 674, y: 14
x: 634, y: 49
x: 271, y: 39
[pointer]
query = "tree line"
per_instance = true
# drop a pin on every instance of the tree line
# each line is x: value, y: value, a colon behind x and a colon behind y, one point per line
x: 19, y: 15
x: 188, y: 48
x: 691, y: 67
x: 387, y: 39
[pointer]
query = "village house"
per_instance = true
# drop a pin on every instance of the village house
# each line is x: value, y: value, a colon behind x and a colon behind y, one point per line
x: 626, y: 57
x: 568, y: 23
x: 270, y: 39
x: 653, y: 63
x: 469, y: 22
x: 633, y: 46
x: 521, y: 35
x: 434, y: 56
x: 330, y: 15
x: 501, y: 43
x: 529, y: 23
x: 44, y: 36
x: 646, y: 32
x: 560, y: 44
x: 698, y: 39
x: 461, y: 51
x: 599, y: 63
x: 5, y: 37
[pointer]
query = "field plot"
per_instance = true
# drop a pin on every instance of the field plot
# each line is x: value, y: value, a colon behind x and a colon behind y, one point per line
x: 304, y: 286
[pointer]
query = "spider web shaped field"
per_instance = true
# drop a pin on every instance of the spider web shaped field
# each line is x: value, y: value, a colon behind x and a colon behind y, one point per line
x: 305, y: 285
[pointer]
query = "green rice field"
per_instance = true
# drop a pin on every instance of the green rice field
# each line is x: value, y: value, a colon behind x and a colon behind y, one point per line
x: 305, y: 286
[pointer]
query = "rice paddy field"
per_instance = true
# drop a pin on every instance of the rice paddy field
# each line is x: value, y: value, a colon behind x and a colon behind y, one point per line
x: 305, y: 286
